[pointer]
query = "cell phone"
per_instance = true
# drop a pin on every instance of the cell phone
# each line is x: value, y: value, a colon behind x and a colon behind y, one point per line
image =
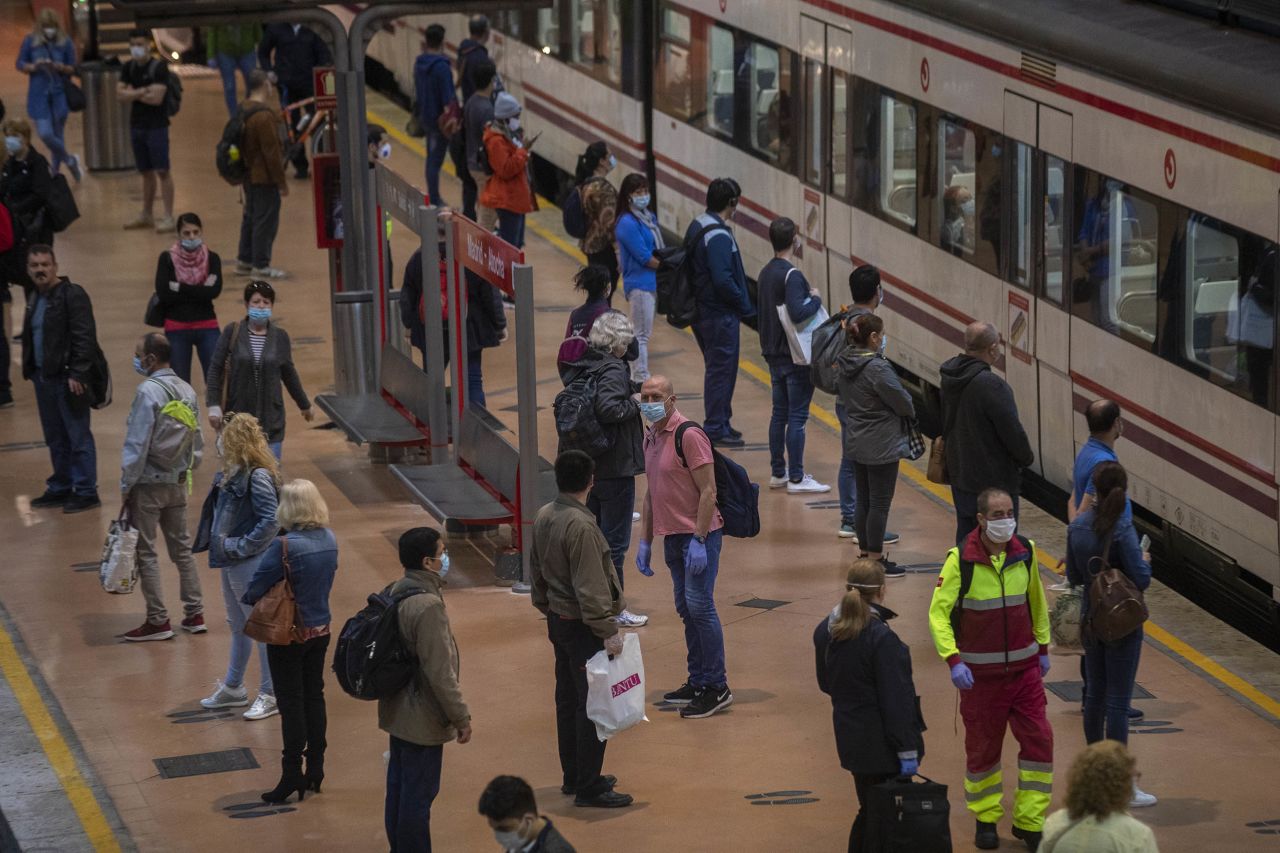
x: 536, y: 137
x: 1144, y: 544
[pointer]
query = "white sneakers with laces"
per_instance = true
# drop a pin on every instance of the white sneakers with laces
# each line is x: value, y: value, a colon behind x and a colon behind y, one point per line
x: 226, y: 697
x: 778, y: 482
x: 627, y: 619
x: 1141, y: 799
x: 807, y: 486
x: 264, y: 706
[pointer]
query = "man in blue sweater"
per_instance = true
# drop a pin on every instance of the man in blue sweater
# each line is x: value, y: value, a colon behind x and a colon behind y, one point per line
x: 723, y: 301
x: 433, y: 90
x: 783, y: 284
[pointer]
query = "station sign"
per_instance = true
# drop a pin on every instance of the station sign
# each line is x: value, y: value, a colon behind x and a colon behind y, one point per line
x: 485, y: 254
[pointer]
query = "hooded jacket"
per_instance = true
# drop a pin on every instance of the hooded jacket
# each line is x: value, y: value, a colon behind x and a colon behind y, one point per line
x: 468, y: 53
x: 508, y: 187
x: 433, y: 87
x: 617, y: 412
x: 986, y: 445
x: 874, y: 405
x: 874, y: 707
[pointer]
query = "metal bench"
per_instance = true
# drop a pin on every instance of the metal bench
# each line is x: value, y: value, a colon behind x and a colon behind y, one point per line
x: 396, y: 417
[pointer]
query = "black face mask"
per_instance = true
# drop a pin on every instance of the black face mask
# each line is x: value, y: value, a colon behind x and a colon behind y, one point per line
x: 633, y: 351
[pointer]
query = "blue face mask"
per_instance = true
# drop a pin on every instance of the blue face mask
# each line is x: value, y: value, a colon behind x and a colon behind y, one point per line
x: 444, y: 564
x: 260, y: 315
x: 13, y: 144
x: 640, y: 202
x: 192, y: 244
x: 138, y: 368
x: 653, y: 412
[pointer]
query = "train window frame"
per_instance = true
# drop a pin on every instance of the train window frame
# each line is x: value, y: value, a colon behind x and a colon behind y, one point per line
x: 713, y: 122
x: 985, y: 186
x: 781, y: 94
x: 813, y: 163
x: 610, y: 73
x: 1061, y: 220
x: 1020, y: 235
x: 840, y: 175
x: 868, y: 133
x: 674, y: 46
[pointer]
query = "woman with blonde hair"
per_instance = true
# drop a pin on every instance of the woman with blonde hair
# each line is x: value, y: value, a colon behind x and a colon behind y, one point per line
x: 242, y: 508
x: 48, y: 58
x: 1095, y: 820
x: 866, y: 670
x: 308, y: 552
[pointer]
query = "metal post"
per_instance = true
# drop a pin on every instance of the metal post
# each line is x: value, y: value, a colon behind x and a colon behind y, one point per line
x: 527, y: 403
x: 437, y: 407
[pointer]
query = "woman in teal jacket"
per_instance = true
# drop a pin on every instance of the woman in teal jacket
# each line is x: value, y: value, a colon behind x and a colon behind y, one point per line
x: 48, y: 57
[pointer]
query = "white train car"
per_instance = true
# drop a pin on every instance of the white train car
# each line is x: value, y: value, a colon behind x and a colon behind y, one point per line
x: 1102, y: 184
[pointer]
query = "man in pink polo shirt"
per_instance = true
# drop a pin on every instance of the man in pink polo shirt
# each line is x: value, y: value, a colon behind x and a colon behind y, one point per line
x: 680, y: 506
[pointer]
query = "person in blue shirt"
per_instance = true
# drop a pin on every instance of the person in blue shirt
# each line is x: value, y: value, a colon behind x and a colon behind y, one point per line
x: 638, y: 235
x: 48, y: 57
x: 434, y: 92
x: 783, y: 284
x: 1105, y: 428
x: 1104, y: 534
x: 723, y: 302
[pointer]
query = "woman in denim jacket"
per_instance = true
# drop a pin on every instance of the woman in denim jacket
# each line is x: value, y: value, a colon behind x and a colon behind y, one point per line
x: 298, y: 668
x: 242, y: 526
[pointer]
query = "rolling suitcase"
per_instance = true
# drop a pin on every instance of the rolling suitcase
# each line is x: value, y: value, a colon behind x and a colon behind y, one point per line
x: 904, y: 816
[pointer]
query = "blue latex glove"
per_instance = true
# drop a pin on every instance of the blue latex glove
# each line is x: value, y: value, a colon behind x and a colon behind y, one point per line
x: 908, y: 766
x: 962, y: 676
x: 642, y: 559
x: 1044, y: 665
x: 695, y: 558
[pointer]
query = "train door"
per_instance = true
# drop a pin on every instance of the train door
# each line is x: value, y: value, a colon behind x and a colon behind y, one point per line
x: 827, y: 54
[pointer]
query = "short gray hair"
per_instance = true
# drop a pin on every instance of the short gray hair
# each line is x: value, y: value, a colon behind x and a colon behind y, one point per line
x: 612, y: 330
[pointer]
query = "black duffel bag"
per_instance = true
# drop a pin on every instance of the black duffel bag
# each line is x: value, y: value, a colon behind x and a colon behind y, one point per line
x: 904, y: 816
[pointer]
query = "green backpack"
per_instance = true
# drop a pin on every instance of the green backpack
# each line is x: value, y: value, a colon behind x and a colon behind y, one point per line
x: 173, y: 438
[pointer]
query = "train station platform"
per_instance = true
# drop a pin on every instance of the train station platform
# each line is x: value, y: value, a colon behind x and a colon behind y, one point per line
x: 103, y: 745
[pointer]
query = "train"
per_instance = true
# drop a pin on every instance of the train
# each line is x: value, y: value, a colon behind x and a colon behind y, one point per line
x: 1100, y: 181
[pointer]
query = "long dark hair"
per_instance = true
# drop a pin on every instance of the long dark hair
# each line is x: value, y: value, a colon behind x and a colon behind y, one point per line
x: 1110, y: 483
x: 589, y: 160
x: 631, y: 184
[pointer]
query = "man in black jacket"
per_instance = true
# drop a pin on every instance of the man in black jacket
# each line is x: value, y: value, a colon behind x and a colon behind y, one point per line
x: 986, y: 446
x: 289, y: 53
x: 486, y: 328
x: 59, y: 354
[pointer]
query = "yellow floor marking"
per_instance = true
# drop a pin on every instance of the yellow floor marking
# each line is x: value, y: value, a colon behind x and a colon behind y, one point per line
x: 1204, y: 663
x: 63, y: 762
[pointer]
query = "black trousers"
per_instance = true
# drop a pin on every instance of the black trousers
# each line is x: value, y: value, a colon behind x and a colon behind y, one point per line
x: 299, y: 91
x: 470, y: 192
x: 581, y: 752
x: 297, y: 671
x: 862, y: 783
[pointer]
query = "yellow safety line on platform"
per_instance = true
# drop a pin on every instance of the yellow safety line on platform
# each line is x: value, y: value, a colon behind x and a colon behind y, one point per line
x: 55, y: 747
x: 1191, y: 655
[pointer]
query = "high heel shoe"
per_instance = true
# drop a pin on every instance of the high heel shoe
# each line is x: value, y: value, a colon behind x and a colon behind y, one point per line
x: 288, y: 784
x: 313, y: 781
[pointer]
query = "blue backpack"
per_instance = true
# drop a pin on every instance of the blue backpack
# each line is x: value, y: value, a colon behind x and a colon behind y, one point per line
x: 737, y: 498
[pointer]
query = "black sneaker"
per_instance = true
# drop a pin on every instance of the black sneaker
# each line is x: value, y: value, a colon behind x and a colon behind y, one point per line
x: 733, y: 432
x: 1029, y: 837
x: 707, y: 702
x: 608, y: 778
x: 80, y: 503
x: 986, y: 837
x: 683, y: 695
x: 605, y: 800
x: 891, y: 538
x: 51, y: 499
x: 6, y: 399
x: 729, y: 441
x: 892, y: 569
x: 1135, y: 714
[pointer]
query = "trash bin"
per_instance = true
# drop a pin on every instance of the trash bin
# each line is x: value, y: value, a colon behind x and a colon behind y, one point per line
x: 106, y: 118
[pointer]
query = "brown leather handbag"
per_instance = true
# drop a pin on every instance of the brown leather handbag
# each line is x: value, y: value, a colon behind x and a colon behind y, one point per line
x: 937, y: 470
x: 274, y: 618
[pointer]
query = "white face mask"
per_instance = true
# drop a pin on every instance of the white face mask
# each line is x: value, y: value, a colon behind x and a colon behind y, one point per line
x: 967, y: 208
x: 513, y: 123
x: 384, y: 153
x: 50, y: 33
x: 1000, y: 530
x: 137, y: 51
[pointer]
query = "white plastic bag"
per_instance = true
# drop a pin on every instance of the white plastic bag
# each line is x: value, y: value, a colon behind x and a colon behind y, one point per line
x: 118, y: 570
x: 615, y: 689
x: 800, y: 338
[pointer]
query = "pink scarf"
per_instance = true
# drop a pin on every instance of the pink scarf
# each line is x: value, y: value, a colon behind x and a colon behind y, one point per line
x: 190, y: 267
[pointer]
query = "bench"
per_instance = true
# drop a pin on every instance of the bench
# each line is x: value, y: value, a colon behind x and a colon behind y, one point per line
x: 395, y: 417
x: 481, y: 488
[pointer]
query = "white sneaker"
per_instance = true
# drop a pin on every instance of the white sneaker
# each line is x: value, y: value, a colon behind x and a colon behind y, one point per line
x: 627, y: 619
x: 226, y: 697
x: 264, y: 706
x: 778, y: 482
x: 268, y: 272
x: 635, y: 516
x: 1141, y: 799
x: 806, y: 486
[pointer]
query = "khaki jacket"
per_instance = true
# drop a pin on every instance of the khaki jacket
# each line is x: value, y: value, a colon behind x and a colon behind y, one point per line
x: 572, y: 573
x: 430, y: 710
x: 263, y: 145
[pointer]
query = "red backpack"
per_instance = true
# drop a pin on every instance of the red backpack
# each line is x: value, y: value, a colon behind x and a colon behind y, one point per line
x: 6, y: 229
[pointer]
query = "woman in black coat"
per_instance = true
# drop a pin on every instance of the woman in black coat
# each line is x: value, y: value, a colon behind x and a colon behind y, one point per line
x: 25, y: 187
x: 866, y: 670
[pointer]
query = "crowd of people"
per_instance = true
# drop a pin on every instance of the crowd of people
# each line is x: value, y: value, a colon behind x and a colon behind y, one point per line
x: 988, y: 614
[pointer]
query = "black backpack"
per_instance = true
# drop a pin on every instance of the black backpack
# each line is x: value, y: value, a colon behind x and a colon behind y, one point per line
x: 677, y: 282
x: 966, y: 581
x: 61, y: 208
x: 228, y: 157
x: 577, y: 423
x: 572, y: 215
x: 371, y: 660
x: 173, y: 89
x: 827, y: 343
x: 737, y: 498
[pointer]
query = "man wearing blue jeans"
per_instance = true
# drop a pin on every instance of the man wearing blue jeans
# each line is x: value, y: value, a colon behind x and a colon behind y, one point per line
x: 233, y: 48
x: 680, y: 506
x: 723, y: 302
x: 433, y: 89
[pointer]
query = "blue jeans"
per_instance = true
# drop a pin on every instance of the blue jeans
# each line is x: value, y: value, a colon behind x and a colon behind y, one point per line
x: 511, y: 227
x: 475, y: 377
x: 717, y: 337
x: 227, y: 66
x: 235, y: 580
x: 792, y: 391
x: 613, y: 500
x: 846, y: 483
x: 694, y: 591
x: 276, y: 448
x: 413, y: 782
x: 1109, y: 671
x: 64, y: 419
x: 183, y: 341
x: 50, y: 131
x: 437, y: 148
x: 966, y: 504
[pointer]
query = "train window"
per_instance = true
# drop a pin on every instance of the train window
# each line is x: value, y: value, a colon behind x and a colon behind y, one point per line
x: 766, y: 86
x: 673, y: 92
x: 815, y: 138
x: 897, y: 156
x: 1114, y: 274
x: 839, y: 134
x: 595, y: 44
x: 547, y: 38
x: 1055, y: 211
x: 969, y: 169
x: 1022, y: 199
x: 1229, y: 322
x: 720, y: 80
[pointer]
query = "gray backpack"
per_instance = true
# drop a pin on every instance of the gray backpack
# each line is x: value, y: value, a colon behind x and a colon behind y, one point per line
x: 173, y: 437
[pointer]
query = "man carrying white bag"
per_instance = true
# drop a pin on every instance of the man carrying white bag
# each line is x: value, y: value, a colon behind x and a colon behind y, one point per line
x: 574, y: 585
x: 118, y: 570
x: 615, y: 689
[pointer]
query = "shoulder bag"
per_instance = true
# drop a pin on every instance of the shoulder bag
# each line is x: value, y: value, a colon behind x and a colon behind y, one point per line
x: 226, y: 365
x: 799, y: 339
x: 1116, y: 605
x: 274, y: 619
